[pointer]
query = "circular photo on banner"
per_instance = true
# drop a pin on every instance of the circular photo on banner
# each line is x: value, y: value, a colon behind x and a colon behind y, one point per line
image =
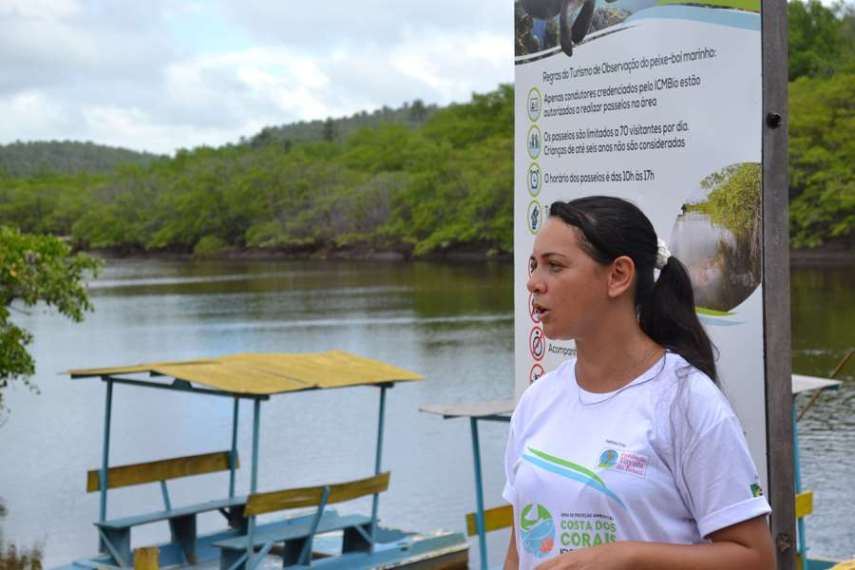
x: 717, y: 236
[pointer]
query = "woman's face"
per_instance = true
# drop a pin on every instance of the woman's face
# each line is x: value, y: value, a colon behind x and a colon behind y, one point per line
x: 570, y: 288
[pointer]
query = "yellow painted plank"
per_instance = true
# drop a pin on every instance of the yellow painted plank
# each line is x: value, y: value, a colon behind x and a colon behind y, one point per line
x: 147, y: 558
x: 845, y: 565
x: 804, y: 504
x: 494, y: 519
x: 265, y: 374
x: 161, y: 470
x: 260, y: 503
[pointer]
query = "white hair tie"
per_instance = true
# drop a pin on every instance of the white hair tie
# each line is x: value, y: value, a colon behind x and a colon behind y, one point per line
x: 663, y: 254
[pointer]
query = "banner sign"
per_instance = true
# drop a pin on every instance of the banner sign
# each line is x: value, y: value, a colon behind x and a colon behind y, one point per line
x: 659, y: 102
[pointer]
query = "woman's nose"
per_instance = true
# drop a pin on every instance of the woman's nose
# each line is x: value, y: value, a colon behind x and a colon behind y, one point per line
x: 534, y: 285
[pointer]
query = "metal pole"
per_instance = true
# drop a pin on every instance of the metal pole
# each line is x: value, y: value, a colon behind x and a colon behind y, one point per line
x: 105, y: 458
x: 378, y: 456
x: 776, y: 282
x: 479, y: 494
x: 797, y: 476
x: 253, y: 482
x: 233, y: 457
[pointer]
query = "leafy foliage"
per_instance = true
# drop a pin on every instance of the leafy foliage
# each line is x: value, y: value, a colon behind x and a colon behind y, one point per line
x: 36, y: 269
x: 820, y: 38
x: 822, y: 148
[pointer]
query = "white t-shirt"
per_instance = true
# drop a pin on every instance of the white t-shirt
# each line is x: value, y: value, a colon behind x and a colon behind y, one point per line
x: 663, y: 459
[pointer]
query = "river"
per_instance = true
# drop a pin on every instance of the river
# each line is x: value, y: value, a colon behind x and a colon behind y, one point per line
x: 451, y: 322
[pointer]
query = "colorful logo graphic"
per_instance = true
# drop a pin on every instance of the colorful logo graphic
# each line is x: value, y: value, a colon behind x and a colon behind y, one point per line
x: 609, y: 458
x: 537, y: 530
x: 570, y: 470
x: 756, y: 490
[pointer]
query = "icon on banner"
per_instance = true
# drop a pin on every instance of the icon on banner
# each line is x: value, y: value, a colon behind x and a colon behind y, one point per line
x: 534, y: 141
x: 534, y: 179
x: 537, y: 343
x: 535, y: 373
x: 534, y: 104
x: 535, y: 217
x: 532, y: 312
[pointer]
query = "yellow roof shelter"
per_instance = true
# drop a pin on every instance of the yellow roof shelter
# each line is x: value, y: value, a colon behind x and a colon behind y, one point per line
x: 264, y: 374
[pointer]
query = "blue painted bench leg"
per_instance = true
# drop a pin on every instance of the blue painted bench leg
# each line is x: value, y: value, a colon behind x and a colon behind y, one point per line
x: 237, y: 520
x: 118, y: 543
x: 184, y: 534
x: 292, y: 550
x: 230, y: 556
x: 357, y: 539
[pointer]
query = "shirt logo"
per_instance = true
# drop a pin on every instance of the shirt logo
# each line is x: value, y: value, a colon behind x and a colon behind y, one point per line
x: 632, y: 463
x: 609, y: 458
x: 537, y: 530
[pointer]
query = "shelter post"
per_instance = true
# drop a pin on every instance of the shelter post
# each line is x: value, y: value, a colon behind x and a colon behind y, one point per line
x: 233, y: 456
x: 105, y: 455
x: 253, y: 482
x: 479, y: 494
x: 378, y: 458
x: 776, y: 283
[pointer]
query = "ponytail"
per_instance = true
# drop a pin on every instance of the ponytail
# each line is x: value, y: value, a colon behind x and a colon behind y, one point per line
x: 667, y: 315
x: 613, y: 227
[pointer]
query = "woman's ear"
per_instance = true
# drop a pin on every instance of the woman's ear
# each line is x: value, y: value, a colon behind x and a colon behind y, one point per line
x: 621, y: 275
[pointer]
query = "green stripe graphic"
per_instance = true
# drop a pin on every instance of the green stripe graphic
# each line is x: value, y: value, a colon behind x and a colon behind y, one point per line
x: 564, y: 463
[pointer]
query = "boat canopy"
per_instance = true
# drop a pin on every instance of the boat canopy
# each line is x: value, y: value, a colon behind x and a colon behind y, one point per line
x: 264, y: 374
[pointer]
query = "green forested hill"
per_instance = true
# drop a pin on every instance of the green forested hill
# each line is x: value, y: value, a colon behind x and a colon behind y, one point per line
x: 22, y: 159
x: 423, y: 181
x: 417, y: 189
x: 410, y: 114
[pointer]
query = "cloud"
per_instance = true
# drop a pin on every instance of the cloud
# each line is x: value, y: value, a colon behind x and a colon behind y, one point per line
x: 163, y: 75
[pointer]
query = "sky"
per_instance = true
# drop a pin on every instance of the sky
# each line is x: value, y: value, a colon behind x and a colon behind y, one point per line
x: 159, y: 75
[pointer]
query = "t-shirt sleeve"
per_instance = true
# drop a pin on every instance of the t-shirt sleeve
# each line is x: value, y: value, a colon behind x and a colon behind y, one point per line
x: 720, y: 482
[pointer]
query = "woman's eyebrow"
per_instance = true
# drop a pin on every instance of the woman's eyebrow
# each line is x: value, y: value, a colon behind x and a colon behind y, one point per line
x: 553, y: 254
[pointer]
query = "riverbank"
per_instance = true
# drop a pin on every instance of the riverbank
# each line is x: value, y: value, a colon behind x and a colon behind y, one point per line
x: 402, y: 254
x: 836, y: 254
x: 829, y: 254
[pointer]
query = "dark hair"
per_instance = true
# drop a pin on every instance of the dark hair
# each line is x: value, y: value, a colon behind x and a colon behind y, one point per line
x: 613, y: 227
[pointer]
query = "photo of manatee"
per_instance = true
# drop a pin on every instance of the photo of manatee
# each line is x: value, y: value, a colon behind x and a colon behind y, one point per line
x: 542, y: 25
x: 717, y: 236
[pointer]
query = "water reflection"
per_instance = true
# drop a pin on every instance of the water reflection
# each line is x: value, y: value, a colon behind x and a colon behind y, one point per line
x: 723, y: 270
x: 823, y: 313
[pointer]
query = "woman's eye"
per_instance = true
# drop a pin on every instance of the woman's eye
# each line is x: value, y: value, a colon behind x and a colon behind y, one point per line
x: 554, y: 267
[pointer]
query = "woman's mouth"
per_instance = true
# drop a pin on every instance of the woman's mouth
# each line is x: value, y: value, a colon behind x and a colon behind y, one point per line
x: 541, y: 311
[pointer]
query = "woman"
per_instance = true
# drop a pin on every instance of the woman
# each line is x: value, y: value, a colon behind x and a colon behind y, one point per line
x: 627, y: 456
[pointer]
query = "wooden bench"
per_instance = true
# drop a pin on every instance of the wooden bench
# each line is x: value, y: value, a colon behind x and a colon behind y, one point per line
x: 297, y: 534
x: 494, y: 519
x: 116, y: 533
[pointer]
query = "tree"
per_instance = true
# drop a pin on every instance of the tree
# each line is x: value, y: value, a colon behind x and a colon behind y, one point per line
x: 816, y: 38
x: 329, y: 130
x: 33, y: 269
